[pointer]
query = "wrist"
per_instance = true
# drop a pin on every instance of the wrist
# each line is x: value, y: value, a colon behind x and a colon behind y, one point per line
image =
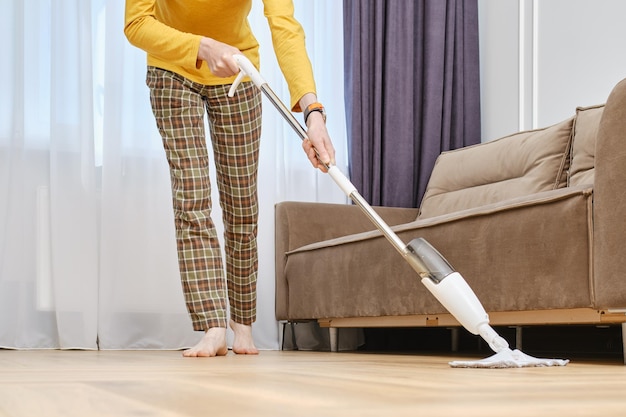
x: 315, y: 107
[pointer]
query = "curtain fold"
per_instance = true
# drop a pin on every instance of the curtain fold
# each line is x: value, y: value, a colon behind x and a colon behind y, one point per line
x: 72, y: 184
x: 87, y: 244
x: 412, y: 91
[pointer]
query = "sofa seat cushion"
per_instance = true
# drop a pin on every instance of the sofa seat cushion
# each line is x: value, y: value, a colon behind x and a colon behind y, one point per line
x: 362, y: 275
x: 586, y: 124
x: 520, y: 164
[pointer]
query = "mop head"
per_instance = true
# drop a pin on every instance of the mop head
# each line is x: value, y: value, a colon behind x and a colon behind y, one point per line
x: 508, y: 358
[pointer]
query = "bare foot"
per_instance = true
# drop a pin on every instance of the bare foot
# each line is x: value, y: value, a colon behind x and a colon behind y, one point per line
x: 243, y: 343
x: 213, y: 343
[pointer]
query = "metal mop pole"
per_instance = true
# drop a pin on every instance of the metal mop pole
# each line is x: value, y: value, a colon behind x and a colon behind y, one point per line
x: 447, y: 285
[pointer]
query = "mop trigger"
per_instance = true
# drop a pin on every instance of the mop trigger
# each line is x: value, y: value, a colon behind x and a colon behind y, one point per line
x: 233, y: 87
x: 247, y: 68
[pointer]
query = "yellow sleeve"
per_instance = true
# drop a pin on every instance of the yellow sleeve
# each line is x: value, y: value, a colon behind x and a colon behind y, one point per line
x: 144, y: 31
x: 288, y: 39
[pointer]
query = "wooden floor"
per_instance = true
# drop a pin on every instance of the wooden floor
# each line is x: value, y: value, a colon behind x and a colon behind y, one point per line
x: 291, y: 383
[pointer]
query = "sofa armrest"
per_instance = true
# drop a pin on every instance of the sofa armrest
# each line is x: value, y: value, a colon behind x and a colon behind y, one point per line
x: 609, y: 204
x: 301, y: 223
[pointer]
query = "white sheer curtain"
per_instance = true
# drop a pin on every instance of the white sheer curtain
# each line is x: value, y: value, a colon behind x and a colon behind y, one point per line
x: 87, y: 251
x: 48, y: 200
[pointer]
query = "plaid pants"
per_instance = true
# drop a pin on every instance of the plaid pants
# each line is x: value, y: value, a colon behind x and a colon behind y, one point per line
x: 179, y: 107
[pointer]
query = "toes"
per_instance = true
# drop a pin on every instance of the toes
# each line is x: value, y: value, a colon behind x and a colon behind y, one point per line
x: 246, y: 351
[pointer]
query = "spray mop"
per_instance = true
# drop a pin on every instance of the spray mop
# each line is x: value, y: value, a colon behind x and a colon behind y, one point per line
x: 446, y: 284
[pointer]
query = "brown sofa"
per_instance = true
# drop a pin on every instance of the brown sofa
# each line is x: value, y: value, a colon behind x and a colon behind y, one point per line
x: 535, y: 222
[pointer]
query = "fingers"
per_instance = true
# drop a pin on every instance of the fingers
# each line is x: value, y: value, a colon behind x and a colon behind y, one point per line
x: 225, y: 65
x: 318, y: 146
x: 319, y: 157
x: 232, y: 63
x: 330, y: 149
x: 219, y: 57
x: 309, y: 150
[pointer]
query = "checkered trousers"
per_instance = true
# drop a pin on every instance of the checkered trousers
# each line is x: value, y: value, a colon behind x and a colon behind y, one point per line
x: 179, y: 106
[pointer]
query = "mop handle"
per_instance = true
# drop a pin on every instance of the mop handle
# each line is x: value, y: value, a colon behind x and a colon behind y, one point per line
x: 247, y: 68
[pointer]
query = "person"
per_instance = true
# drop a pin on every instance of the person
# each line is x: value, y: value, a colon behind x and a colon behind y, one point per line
x: 190, y: 66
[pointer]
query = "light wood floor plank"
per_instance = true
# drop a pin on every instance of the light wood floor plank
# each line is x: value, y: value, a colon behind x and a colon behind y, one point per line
x: 163, y: 383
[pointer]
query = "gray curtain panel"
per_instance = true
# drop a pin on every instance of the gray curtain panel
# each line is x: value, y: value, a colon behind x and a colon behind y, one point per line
x: 412, y: 90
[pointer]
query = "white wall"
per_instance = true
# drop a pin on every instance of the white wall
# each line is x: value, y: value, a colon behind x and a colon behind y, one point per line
x: 540, y: 59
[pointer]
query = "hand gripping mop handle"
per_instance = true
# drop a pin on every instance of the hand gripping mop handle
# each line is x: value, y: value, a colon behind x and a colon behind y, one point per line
x: 442, y: 281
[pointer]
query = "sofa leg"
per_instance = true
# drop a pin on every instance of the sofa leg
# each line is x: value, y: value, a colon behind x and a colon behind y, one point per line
x: 281, y: 333
x: 334, y: 343
x: 454, y: 336
x: 518, y: 337
x: 284, y: 325
x: 624, y: 341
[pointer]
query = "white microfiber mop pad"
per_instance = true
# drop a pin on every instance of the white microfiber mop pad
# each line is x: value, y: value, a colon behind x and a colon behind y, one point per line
x: 508, y: 358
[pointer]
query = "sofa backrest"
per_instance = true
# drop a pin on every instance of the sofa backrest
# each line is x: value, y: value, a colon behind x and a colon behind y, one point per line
x: 513, y: 166
x: 583, y: 152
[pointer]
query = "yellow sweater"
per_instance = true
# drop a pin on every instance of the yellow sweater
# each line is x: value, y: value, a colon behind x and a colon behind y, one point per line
x: 170, y: 31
